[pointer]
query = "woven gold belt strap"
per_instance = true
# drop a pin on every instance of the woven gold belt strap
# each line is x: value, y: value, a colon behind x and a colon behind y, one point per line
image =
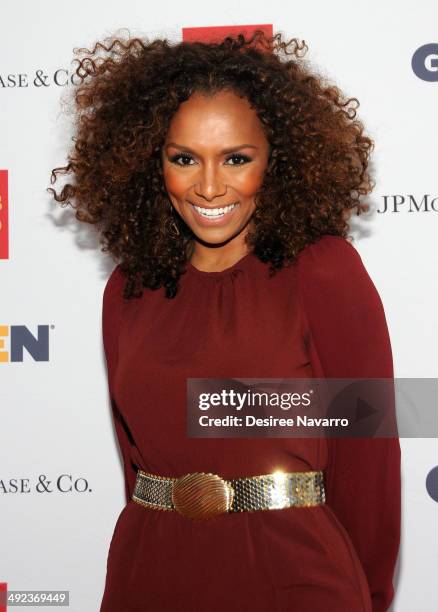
x: 202, y: 495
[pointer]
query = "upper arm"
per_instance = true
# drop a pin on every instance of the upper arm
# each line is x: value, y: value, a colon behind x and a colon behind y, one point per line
x: 349, y: 338
x: 111, y: 316
x: 344, y: 312
x: 111, y: 319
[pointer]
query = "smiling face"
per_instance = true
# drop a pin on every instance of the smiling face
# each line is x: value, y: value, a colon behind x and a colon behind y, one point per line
x: 214, y: 157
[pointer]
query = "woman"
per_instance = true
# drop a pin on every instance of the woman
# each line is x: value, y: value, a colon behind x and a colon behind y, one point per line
x: 221, y: 177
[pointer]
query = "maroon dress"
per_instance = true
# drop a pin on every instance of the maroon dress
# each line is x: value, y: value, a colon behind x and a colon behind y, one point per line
x: 321, y: 317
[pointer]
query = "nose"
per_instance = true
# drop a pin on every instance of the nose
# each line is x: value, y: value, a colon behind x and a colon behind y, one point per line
x: 210, y: 183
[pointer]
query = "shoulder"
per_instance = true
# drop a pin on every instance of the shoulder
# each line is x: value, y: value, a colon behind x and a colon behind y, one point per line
x: 329, y: 259
x: 113, y: 291
x: 111, y: 314
x: 112, y: 300
x: 331, y: 271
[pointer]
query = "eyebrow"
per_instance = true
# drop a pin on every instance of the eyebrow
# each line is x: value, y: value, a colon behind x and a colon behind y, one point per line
x: 228, y: 150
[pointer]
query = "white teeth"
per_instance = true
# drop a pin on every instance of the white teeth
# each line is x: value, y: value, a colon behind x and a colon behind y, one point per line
x: 214, y: 212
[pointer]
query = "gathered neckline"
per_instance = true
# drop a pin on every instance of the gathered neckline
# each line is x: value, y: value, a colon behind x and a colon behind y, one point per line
x: 239, y: 264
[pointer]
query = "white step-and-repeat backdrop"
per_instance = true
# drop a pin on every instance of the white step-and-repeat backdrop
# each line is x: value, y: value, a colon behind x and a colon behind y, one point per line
x: 61, y: 486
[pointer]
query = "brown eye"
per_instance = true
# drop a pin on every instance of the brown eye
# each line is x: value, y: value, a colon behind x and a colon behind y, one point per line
x: 237, y: 158
x: 184, y: 156
x: 242, y: 159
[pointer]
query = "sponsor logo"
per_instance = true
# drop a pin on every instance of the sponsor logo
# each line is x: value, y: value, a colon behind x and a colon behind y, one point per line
x: 63, y: 483
x: 425, y: 62
x: 16, y: 338
x: 396, y: 203
x: 4, y: 215
x: 40, y: 78
x: 216, y: 33
x: 432, y: 483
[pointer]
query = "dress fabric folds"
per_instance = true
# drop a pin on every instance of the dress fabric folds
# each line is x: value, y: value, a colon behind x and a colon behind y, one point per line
x: 319, y: 317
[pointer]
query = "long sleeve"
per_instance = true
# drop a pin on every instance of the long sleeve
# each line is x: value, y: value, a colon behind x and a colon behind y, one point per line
x: 111, y: 317
x: 348, y: 338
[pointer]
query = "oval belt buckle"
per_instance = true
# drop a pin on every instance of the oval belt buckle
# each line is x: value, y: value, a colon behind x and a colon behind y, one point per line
x: 200, y: 495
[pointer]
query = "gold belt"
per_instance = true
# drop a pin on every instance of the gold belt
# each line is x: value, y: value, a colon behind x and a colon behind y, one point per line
x: 200, y: 495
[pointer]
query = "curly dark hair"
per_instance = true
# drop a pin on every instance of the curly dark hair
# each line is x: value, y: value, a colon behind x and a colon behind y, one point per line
x: 128, y: 91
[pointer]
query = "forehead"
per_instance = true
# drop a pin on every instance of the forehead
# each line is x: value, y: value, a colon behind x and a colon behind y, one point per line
x: 215, y: 118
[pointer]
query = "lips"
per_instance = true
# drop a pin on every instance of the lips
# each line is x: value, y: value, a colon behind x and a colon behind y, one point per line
x: 211, y: 207
x: 215, y: 219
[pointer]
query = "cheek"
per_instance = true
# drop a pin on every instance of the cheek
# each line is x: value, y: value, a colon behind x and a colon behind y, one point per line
x: 249, y: 183
x: 175, y: 182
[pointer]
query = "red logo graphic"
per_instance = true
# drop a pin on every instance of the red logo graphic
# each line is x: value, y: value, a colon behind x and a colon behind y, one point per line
x: 4, y: 227
x: 217, y: 33
x: 3, y: 592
